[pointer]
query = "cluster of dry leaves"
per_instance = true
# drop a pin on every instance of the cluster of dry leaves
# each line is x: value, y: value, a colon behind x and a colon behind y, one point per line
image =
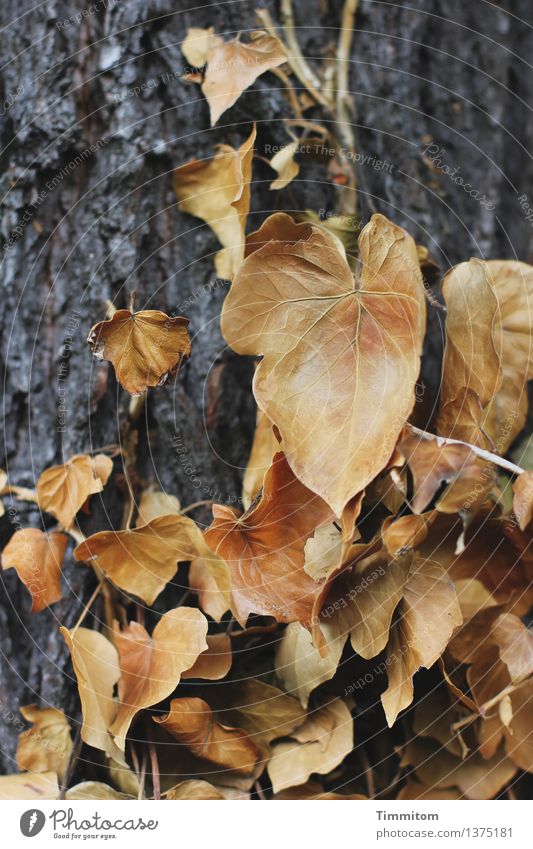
x: 368, y: 550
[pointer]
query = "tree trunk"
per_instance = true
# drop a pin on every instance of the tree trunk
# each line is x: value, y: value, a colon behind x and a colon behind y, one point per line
x: 94, y: 121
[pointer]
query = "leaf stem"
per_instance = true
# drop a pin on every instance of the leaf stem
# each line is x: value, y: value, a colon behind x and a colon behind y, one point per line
x: 481, y: 452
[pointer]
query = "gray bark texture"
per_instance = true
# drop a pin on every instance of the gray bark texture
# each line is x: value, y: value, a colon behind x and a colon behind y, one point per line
x: 95, y: 118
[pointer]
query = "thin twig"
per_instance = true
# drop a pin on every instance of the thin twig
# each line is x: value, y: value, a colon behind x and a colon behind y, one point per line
x: 289, y: 88
x: 142, y: 777
x: 195, y: 505
x: 259, y: 790
x: 369, y: 775
x: 481, y: 452
x: 156, y: 781
x: 342, y: 101
x: 87, y: 607
x: 71, y: 765
x: 486, y: 706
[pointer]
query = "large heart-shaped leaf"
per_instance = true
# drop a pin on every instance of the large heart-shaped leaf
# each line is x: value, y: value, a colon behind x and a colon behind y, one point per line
x: 340, y: 356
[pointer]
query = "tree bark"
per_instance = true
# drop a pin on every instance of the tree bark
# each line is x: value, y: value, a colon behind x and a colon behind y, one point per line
x: 95, y: 119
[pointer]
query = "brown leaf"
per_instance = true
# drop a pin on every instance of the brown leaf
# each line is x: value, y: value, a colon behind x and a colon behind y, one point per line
x: 264, y: 447
x: 283, y: 162
x: 523, y: 499
x: 96, y: 666
x: 317, y: 749
x: 218, y: 191
x: 425, y: 619
x: 151, y: 667
x: 47, y: 746
x: 192, y: 723
x: 154, y: 504
x: 146, y: 347
x: 300, y: 666
x: 340, y: 357
x: 215, y: 662
x: 233, y: 66
x: 264, y: 548
x: 37, y: 558
x: 194, y: 789
x: 471, y: 372
x: 488, y: 358
x: 63, y: 490
x: 195, y: 47
x: 210, y: 579
x: 143, y: 560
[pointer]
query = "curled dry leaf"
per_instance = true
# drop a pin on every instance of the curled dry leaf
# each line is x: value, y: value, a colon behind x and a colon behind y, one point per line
x: 215, y: 662
x: 192, y: 723
x: 143, y: 560
x: 146, y: 348
x: 194, y: 789
x: 195, y: 47
x: 264, y: 548
x: 300, y: 666
x: 153, y: 504
x: 96, y: 666
x: 320, y: 745
x: 151, y: 667
x: 45, y: 747
x: 232, y: 66
x: 28, y: 785
x: 37, y: 559
x: 63, y: 490
x: 488, y: 357
x: 340, y: 356
x: 523, y: 499
x: 218, y: 191
x: 264, y: 447
x: 284, y: 163
x: 211, y: 580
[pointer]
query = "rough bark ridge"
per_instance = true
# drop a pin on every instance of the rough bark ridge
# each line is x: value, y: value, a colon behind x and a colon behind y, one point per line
x: 94, y: 120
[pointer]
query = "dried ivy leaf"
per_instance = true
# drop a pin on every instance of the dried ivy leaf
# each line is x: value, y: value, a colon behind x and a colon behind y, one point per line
x: 211, y: 580
x: 215, y: 662
x: 264, y: 447
x: 471, y: 372
x: 488, y: 358
x: 146, y: 347
x: 523, y: 499
x: 340, y: 357
x: 151, y: 667
x: 143, y: 560
x: 194, y: 789
x: 425, y: 619
x: 192, y: 723
x: 96, y: 666
x: 264, y: 548
x: 519, y: 732
x: 300, y: 666
x: 37, y: 559
x: 284, y: 163
x: 317, y: 748
x: 217, y: 190
x: 63, y: 490
x: 233, y: 66
x: 195, y: 47
x: 47, y: 746
x: 155, y: 503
